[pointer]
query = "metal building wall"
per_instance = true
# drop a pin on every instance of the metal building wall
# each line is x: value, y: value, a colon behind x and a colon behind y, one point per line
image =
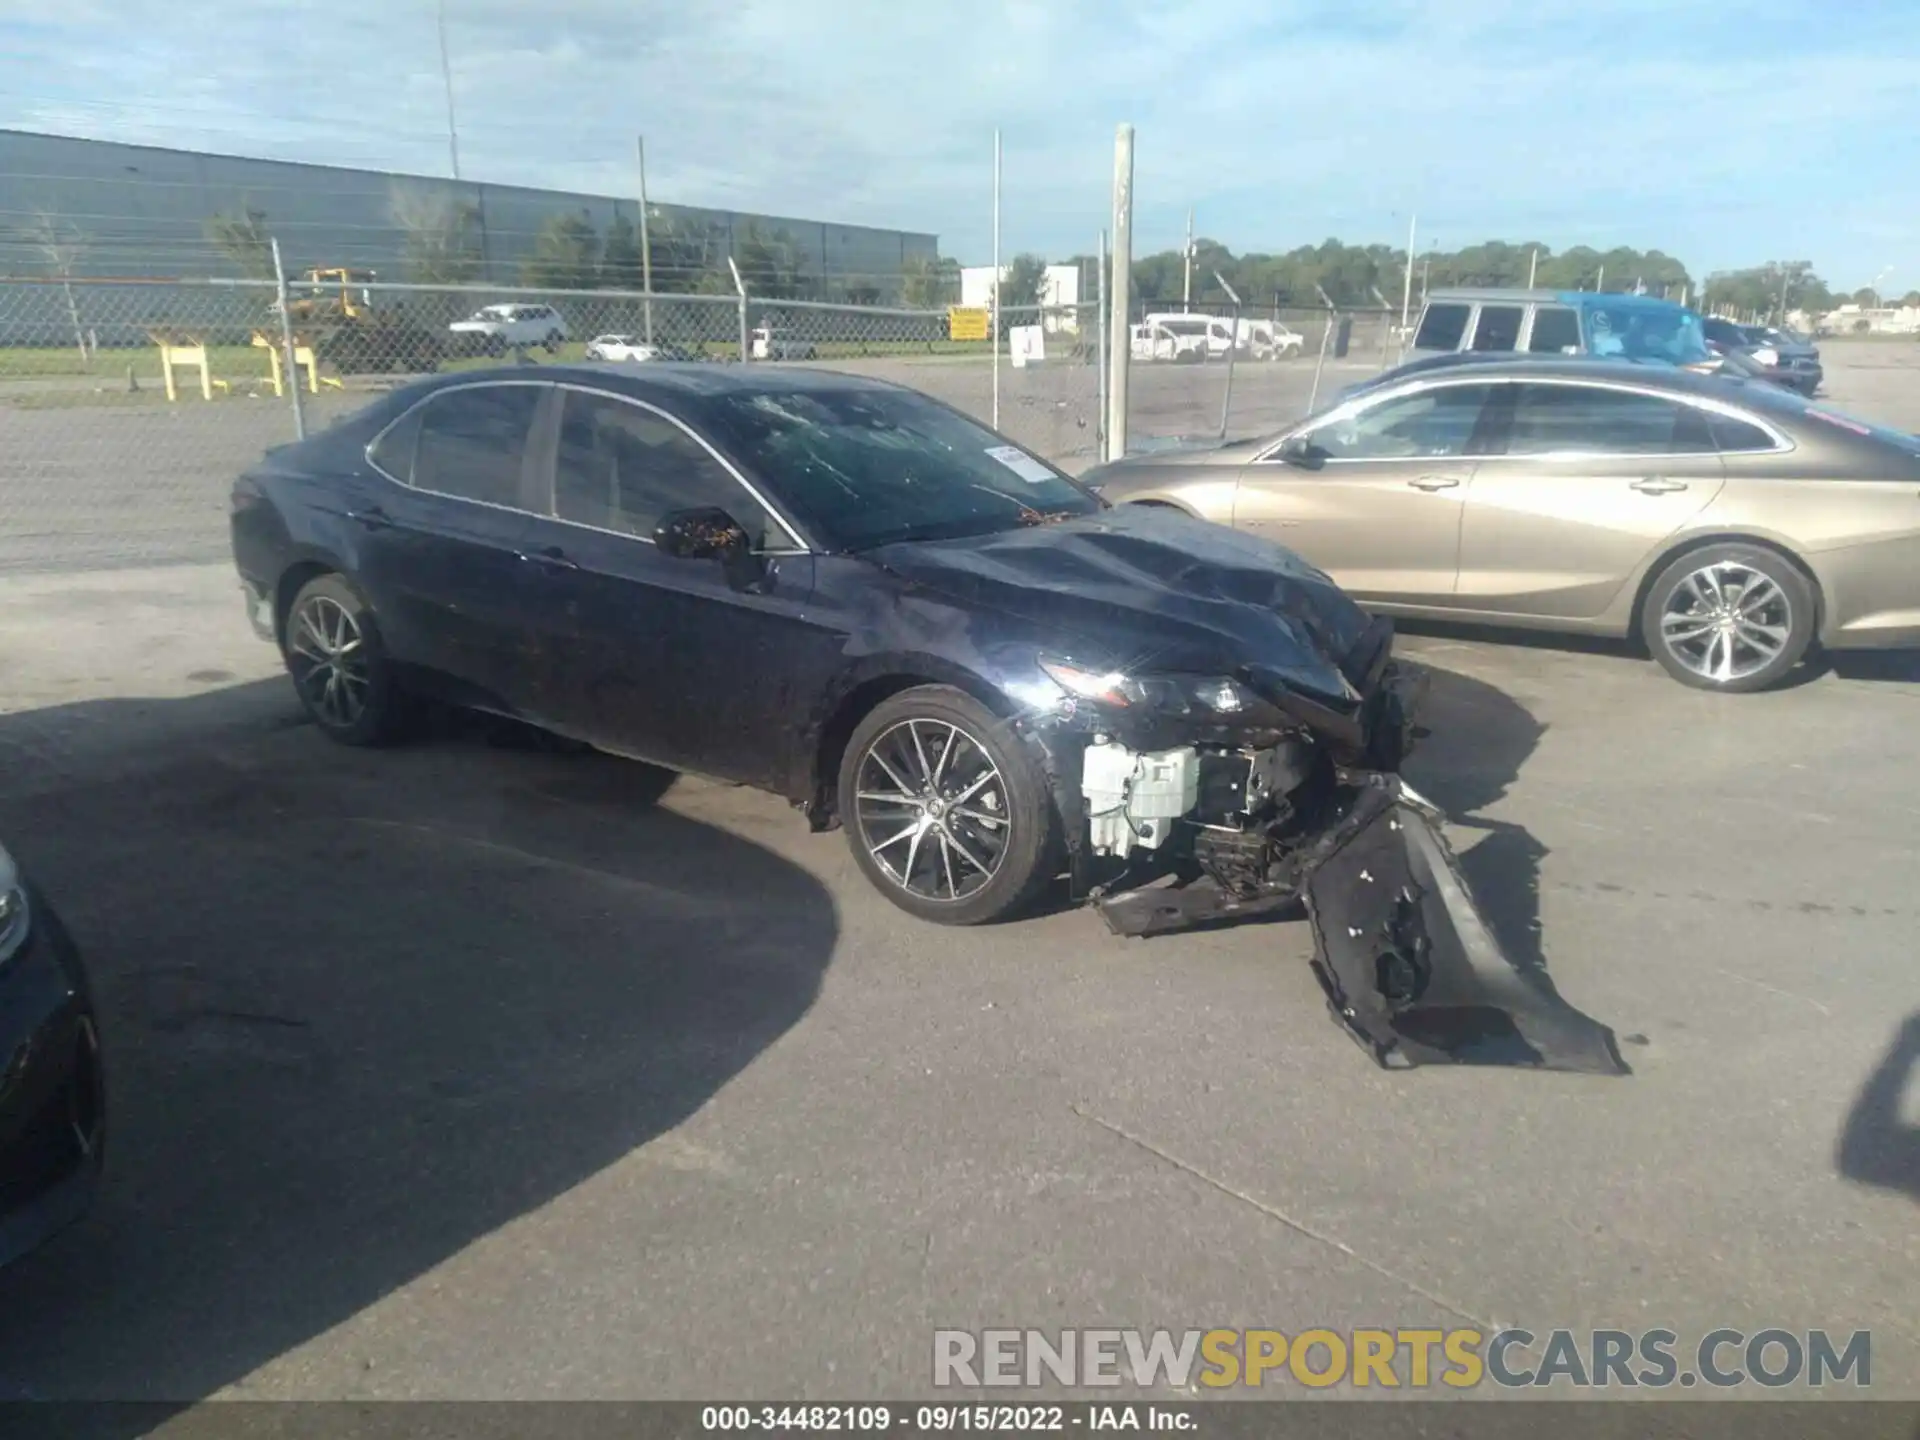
x: 132, y: 210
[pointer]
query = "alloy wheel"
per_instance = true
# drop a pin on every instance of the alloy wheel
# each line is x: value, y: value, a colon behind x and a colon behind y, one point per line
x: 327, y: 653
x: 931, y: 809
x: 1726, y: 621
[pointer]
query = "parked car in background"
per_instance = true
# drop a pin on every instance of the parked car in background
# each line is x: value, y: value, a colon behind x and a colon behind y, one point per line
x: 495, y: 329
x: 1561, y: 322
x: 621, y: 347
x: 771, y: 343
x: 851, y: 595
x: 1728, y: 523
x: 1151, y: 343
x: 53, y: 1115
x: 1778, y: 355
x: 1196, y: 337
x: 1268, y: 339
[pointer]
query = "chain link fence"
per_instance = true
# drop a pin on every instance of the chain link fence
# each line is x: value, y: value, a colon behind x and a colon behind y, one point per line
x: 127, y: 408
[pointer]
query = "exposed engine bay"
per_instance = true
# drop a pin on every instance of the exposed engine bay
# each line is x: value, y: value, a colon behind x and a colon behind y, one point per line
x: 1208, y: 831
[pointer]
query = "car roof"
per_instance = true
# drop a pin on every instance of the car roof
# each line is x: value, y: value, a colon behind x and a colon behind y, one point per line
x: 1467, y: 294
x: 671, y: 379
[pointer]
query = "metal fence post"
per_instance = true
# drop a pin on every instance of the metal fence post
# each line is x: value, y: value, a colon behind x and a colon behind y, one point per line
x: 1326, y: 336
x: 1121, y: 292
x: 740, y: 289
x: 996, y: 280
x: 1233, y: 353
x: 290, y: 370
x: 1100, y: 350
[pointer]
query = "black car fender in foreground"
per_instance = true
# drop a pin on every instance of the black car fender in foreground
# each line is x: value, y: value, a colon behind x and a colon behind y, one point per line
x: 52, y: 1091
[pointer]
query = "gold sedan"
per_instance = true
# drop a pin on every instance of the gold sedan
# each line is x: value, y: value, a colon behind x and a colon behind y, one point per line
x: 1729, y: 524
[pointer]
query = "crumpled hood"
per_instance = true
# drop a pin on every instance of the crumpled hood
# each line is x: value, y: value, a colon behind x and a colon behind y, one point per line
x: 1153, y: 589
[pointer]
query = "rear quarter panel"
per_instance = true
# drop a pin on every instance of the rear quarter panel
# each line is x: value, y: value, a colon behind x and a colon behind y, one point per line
x: 1850, y: 511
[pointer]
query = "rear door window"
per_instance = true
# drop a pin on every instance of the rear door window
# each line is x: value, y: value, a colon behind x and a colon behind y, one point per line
x: 473, y: 442
x: 1498, y: 328
x: 1443, y: 327
x: 1597, y: 420
x: 1732, y: 436
x: 1555, y: 330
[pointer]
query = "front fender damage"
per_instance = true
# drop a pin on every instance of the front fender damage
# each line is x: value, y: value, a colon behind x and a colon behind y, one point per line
x: 1410, y: 968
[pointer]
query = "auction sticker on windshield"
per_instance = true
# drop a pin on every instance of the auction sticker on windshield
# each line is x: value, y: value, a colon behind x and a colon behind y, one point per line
x: 1021, y: 463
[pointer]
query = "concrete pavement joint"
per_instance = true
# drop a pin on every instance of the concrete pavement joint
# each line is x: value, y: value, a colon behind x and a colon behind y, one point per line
x: 1273, y: 1212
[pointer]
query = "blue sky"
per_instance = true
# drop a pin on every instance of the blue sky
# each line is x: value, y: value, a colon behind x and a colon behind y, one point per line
x: 1727, y: 133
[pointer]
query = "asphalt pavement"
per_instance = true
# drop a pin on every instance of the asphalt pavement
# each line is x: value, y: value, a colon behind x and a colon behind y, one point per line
x: 464, y: 1071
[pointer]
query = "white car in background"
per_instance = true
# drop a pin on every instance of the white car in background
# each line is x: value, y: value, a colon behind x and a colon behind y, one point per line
x: 498, y: 328
x: 1269, y: 340
x: 632, y: 347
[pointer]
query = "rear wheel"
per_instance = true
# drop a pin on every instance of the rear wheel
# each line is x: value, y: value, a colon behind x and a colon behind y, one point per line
x: 1729, y: 617
x: 553, y: 342
x: 947, y: 812
x: 340, y: 669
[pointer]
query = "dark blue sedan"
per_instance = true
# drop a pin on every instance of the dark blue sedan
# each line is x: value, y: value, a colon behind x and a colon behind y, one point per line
x: 851, y: 595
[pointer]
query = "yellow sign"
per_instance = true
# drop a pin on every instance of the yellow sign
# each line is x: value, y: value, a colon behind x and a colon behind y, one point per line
x: 965, y: 322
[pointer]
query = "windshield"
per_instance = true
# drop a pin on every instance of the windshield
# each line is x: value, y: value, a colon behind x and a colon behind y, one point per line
x: 871, y: 467
x: 1647, y: 332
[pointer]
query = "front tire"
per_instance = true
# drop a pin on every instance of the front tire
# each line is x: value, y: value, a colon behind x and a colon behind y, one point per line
x: 339, y: 667
x: 1734, y: 618
x: 946, y: 810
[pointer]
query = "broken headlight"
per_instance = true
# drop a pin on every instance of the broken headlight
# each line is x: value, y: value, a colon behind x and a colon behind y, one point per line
x: 14, y: 919
x: 1198, y: 695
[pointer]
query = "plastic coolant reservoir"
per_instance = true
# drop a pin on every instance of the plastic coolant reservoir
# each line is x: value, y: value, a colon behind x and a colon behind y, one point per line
x: 1133, y: 797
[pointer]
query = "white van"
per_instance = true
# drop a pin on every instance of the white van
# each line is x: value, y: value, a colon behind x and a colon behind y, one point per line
x: 1195, y: 337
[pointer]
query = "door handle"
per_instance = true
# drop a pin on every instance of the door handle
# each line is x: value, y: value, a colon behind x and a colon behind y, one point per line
x: 1657, y: 485
x: 552, y: 556
x: 1434, y: 482
x: 373, y: 517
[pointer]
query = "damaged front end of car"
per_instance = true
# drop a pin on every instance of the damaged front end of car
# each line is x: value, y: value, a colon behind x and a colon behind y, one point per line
x: 1206, y: 799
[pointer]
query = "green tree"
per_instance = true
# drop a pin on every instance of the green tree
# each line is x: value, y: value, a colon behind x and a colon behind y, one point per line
x: 566, y: 255
x: 770, y: 264
x: 1023, y: 280
x: 929, y: 282
x: 621, y: 266
x: 244, y: 241
x: 440, y: 242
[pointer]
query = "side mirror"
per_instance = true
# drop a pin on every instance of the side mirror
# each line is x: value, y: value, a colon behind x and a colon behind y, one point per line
x: 706, y: 533
x: 1300, y: 450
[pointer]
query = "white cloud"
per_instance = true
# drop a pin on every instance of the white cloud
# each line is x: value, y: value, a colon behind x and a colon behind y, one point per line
x: 1723, y: 138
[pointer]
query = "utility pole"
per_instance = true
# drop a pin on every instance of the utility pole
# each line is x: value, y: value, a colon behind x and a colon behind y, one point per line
x: 446, y: 79
x: 1406, y: 290
x: 1533, y: 265
x: 646, y: 243
x: 1119, y: 334
x: 1186, y: 289
x: 1600, y: 285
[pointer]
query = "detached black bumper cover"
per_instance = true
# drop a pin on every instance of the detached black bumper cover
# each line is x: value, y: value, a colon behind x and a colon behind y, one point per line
x: 1409, y: 966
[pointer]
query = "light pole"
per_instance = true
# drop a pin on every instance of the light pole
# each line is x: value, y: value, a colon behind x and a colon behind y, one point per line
x: 1874, y: 288
x: 446, y: 79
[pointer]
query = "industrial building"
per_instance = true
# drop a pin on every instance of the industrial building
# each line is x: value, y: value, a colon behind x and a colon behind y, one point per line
x: 89, y: 209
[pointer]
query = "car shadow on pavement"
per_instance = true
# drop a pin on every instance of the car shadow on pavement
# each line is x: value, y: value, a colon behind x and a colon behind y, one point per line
x: 1877, y: 1146
x: 1479, y: 738
x: 360, y: 1010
